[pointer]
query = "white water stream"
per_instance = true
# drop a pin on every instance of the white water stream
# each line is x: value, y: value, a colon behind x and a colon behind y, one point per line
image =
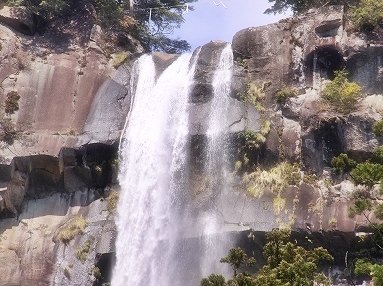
x: 152, y: 216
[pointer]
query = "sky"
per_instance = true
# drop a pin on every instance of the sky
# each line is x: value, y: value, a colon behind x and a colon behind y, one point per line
x: 210, y: 22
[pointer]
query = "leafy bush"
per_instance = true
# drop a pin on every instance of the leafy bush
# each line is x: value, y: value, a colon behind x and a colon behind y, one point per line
x: 275, y: 179
x: 8, y: 131
x: 367, y: 173
x: 119, y: 59
x: 341, y: 93
x: 343, y: 163
x: 377, y: 155
x: 368, y: 14
x: 378, y: 128
x: 375, y: 271
x: 83, y: 251
x: 112, y: 201
x: 12, y: 102
x: 71, y: 229
x: 286, y: 264
x: 254, y: 95
x: 285, y: 93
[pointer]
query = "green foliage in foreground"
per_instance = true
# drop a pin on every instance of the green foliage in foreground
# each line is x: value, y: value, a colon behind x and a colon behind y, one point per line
x: 375, y: 271
x: 287, y: 264
x: 367, y: 173
x: 378, y: 128
x: 368, y: 14
x: 343, y: 163
x: 341, y: 93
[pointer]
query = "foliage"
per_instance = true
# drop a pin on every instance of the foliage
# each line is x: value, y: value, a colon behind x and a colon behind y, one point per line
x: 368, y: 14
x: 119, y: 59
x: 360, y: 206
x: 112, y: 201
x: 254, y: 95
x: 286, y: 264
x: 367, y: 173
x: 378, y: 128
x: 375, y: 271
x: 166, y: 15
x: 377, y: 155
x: 341, y: 93
x: 343, y: 163
x: 214, y: 280
x: 95, y: 272
x: 12, y: 102
x: 8, y: 131
x: 275, y: 179
x: 297, y: 6
x: 237, y: 258
x: 285, y: 93
x: 67, y: 273
x: 83, y: 251
x: 71, y: 229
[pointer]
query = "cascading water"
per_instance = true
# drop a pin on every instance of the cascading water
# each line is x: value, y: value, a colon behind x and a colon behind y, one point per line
x: 153, y: 151
x: 216, y: 163
x: 159, y: 232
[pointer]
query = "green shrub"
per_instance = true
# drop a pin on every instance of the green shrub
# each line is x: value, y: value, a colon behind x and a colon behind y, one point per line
x: 343, y: 163
x: 375, y: 271
x: 71, y: 229
x: 360, y: 205
x: 341, y: 93
x: 83, y: 251
x: 12, y: 102
x: 378, y: 211
x: 112, y: 201
x: 377, y: 155
x: 285, y: 93
x: 95, y: 272
x: 119, y: 59
x: 367, y: 173
x: 254, y: 94
x: 368, y: 14
x: 8, y: 133
x: 378, y: 128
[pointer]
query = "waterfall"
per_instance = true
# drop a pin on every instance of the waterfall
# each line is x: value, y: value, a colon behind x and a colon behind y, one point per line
x: 216, y: 168
x: 152, y: 151
x: 163, y: 238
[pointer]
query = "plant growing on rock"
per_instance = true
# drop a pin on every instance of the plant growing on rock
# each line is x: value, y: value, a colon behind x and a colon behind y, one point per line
x: 343, y: 163
x: 378, y: 128
x: 83, y: 251
x: 275, y: 179
x: 254, y: 95
x: 367, y: 173
x: 368, y: 14
x: 285, y: 94
x: 374, y: 270
x: 112, y: 201
x: 341, y: 93
x: 286, y: 264
x: 11, y: 102
x: 71, y: 229
x: 377, y: 155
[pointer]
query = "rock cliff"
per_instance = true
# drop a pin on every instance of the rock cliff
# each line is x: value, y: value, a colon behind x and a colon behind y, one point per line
x: 58, y: 148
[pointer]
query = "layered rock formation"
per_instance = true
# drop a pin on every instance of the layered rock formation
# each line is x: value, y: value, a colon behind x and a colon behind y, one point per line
x: 60, y: 161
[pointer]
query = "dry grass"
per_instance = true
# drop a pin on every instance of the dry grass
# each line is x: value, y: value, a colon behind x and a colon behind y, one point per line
x: 71, y: 229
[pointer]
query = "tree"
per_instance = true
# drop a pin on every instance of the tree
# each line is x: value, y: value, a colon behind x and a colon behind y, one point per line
x: 151, y: 21
x: 237, y: 258
x: 286, y: 264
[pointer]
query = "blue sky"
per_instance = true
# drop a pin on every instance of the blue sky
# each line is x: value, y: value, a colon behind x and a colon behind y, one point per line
x: 215, y: 22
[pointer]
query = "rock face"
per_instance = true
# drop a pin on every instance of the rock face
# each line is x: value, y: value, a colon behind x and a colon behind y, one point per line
x: 58, y: 148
